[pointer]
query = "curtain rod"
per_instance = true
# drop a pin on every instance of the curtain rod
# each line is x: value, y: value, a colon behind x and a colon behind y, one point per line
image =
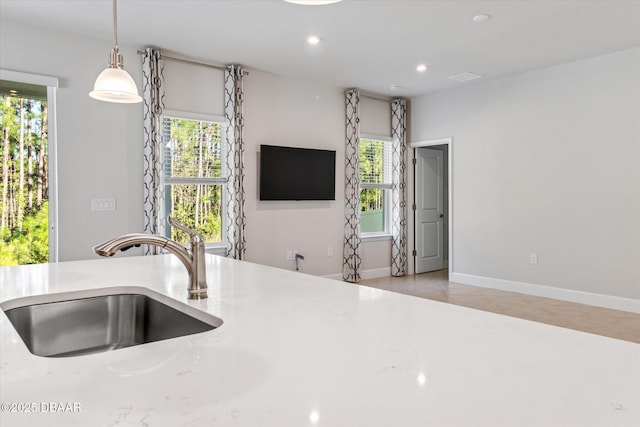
x: 377, y: 98
x: 187, y: 61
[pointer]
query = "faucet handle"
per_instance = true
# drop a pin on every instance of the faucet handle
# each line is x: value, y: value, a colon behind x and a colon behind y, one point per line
x: 194, y: 235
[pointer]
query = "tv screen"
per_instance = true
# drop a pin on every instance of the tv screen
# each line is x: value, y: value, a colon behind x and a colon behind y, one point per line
x: 289, y: 173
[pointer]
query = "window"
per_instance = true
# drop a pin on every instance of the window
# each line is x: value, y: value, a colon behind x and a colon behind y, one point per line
x: 375, y: 186
x: 193, y: 176
x: 27, y: 205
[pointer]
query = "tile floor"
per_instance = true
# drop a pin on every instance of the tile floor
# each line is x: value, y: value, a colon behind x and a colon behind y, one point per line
x: 436, y: 286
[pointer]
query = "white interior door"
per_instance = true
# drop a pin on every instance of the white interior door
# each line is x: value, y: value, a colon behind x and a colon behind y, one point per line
x: 429, y: 173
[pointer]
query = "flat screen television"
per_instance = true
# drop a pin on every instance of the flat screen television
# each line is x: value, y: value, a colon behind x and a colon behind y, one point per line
x: 290, y: 173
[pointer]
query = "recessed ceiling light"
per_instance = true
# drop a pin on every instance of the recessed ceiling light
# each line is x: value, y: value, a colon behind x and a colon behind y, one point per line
x: 313, y: 2
x: 481, y: 18
x: 313, y: 39
x: 394, y: 87
x: 421, y: 68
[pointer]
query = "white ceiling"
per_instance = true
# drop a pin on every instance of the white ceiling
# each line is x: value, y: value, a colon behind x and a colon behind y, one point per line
x: 369, y: 44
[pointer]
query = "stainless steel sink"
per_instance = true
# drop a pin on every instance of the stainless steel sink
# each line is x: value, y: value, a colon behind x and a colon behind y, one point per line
x: 75, y: 325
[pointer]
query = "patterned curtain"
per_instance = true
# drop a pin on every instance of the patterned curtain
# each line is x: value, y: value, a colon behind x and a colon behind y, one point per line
x: 399, y: 182
x: 153, y: 95
x: 351, y: 247
x: 234, y: 196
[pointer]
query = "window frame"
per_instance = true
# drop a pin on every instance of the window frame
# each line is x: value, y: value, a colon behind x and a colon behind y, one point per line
x: 218, y: 248
x: 386, y: 234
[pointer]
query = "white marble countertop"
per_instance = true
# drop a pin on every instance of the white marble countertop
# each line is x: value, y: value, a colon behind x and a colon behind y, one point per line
x: 297, y: 350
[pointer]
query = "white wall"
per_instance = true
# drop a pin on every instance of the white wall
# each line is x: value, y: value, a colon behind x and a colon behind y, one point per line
x: 99, y: 144
x: 546, y: 162
x: 100, y: 148
x: 283, y: 111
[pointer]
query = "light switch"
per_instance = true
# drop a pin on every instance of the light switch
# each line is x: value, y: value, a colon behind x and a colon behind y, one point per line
x: 103, y: 204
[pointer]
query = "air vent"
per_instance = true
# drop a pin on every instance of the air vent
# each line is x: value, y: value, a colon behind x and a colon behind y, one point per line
x: 465, y: 77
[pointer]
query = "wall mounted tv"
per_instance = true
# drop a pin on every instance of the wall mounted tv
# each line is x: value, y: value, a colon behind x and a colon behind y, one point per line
x: 289, y: 173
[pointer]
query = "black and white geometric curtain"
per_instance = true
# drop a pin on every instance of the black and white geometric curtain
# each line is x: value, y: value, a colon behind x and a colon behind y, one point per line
x: 234, y: 195
x: 153, y: 96
x: 351, y: 246
x: 399, y: 186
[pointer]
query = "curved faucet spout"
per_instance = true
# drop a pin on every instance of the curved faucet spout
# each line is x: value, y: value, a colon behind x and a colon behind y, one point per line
x: 192, y: 259
x: 122, y: 243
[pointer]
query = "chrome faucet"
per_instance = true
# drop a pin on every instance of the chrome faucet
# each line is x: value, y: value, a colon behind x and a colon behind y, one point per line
x: 192, y: 258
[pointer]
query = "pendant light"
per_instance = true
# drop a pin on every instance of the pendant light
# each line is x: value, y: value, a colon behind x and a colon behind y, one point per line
x: 114, y: 84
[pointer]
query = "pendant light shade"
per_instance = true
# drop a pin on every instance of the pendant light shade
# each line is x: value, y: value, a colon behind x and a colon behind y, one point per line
x: 114, y: 84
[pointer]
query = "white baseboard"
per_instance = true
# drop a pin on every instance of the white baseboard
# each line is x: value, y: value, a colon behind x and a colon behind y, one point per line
x: 373, y: 273
x: 607, y: 301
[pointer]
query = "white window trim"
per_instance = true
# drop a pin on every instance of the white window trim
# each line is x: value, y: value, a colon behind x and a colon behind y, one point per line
x: 385, y: 138
x: 376, y: 235
x: 200, y: 181
x: 366, y: 185
x: 216, y: 248
x: 188, y: 115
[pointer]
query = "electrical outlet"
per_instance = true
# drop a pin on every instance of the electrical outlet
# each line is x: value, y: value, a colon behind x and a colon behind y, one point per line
x: 533, y: 258
x: 289, y: 255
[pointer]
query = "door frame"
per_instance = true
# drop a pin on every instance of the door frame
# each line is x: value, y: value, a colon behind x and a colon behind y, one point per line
x: 52, y: 85
x: 448, y: 141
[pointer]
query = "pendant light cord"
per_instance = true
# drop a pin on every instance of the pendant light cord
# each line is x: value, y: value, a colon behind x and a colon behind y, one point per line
x: 115, y: 23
